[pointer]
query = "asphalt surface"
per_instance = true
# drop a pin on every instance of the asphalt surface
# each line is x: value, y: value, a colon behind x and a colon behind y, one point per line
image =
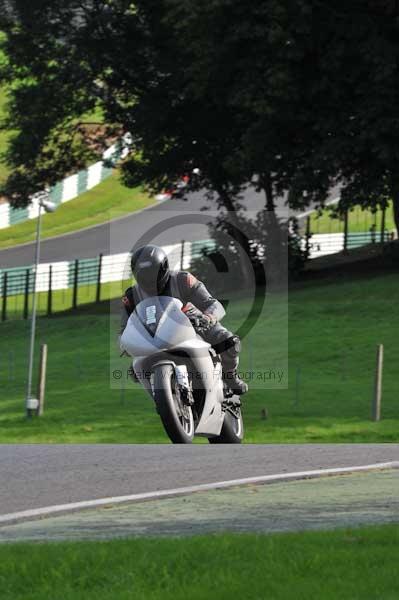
x: 165, y: 223
x: 36, y: 476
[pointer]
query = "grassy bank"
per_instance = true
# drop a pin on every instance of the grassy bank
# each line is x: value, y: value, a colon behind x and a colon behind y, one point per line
x: 109, y: 199
x: 346, y: 564
x: 62, y: 300
x: 333, y: 332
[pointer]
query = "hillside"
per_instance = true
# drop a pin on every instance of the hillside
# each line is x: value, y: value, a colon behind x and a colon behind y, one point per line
x: 333, y: 331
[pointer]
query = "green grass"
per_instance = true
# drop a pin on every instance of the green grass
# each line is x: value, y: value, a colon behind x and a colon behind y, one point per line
x: 62, y: 300
x: 359, y: 221
x: 109, y: 199
x: 333, y: 332
x: 352, y: 564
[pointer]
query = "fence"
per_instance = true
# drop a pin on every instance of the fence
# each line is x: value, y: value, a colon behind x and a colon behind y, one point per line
x: 330, y: 243
x: 68, y: 284
x: 323, y: 234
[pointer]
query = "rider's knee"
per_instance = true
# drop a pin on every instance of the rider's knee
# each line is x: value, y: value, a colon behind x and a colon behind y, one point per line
x: 234, y: 345
x: 237, y: 344
x: 229, y: 344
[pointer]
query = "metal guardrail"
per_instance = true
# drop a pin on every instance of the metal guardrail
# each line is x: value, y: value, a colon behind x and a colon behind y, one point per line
x: 17, y: 284
x: 321, y: 244
x: 70, y: 276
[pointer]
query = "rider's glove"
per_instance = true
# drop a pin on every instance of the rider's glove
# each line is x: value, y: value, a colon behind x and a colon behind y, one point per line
x: 199, y: 320
x: 203, y: 323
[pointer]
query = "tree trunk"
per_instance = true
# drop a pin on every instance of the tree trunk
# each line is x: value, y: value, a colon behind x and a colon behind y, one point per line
x: 239, y: 236
x: 395, y: 198
x: 276, y: 250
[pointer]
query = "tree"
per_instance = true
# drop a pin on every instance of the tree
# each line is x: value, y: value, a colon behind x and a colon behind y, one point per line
x: 47, y: 94
x: 370, y: 160
x: 284, y: 95
x: 357, y: 99
x: 216, y: 85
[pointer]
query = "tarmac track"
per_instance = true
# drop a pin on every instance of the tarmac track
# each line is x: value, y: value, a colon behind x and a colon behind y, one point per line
x: 157, y: 224
x: 121, y: 234
x: 35, y: 476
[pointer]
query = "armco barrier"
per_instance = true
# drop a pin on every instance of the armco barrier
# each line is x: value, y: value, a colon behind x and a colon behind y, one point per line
x: 68, y: 277
x: 321, y: 244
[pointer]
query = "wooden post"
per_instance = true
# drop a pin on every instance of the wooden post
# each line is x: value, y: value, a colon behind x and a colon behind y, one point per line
x: 182, y: 256
x: 376, y: 408
x: 50, y: 291
x: 308, y: 235
x: 75, y: 285
x: 346, y: 227
x: 100, y: 264
x: 5, y: 291
x: 264, y: 414
x: 382, y: 238
x: 42, y: 379
x: 26, y: 297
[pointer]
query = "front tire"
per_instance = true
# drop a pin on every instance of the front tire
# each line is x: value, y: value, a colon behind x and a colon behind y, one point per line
x: 177, y: 417
x: 232, y: 430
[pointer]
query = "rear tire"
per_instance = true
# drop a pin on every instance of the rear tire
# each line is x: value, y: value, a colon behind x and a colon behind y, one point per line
x: 232, y: 431
x: 177, y: 418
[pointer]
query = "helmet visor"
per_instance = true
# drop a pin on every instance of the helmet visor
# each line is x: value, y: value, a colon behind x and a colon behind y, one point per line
x: 151, y: 277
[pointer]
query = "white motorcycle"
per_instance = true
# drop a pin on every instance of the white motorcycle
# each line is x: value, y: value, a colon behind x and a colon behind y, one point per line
x: 182, y: 373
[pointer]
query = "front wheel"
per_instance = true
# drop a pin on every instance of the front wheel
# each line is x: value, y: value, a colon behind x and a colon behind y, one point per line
x: 232, y: 429
x: 176, y: 416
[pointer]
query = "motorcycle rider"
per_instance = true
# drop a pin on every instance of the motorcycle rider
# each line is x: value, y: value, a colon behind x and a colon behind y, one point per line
x: 150, y: 267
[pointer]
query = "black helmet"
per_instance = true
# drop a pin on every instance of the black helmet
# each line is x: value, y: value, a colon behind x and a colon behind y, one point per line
x: 150, y: 267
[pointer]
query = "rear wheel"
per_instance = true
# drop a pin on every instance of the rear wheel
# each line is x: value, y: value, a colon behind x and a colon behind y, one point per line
x: 232, y: 429
x: 176, y: 416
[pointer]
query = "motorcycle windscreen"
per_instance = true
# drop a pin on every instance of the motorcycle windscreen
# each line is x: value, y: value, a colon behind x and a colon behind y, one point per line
x: 157, y: 323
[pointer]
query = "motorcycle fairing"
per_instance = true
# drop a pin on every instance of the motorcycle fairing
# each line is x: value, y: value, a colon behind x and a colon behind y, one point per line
x: 157, y: 323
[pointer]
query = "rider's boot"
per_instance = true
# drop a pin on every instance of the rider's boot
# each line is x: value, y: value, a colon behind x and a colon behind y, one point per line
x: 234, y: 382
x: 230, y: 361
x: 228, y: 346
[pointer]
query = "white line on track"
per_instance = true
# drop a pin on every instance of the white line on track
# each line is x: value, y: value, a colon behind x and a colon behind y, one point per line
x: 48, y: 511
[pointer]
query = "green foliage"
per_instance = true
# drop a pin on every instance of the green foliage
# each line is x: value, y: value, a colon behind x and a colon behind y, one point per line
x: 4, y: 135
x: 161, y: 71
x: 46, y: 96
x: 356, y: 98
x: 297, y: 253
x: 291, y: 97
